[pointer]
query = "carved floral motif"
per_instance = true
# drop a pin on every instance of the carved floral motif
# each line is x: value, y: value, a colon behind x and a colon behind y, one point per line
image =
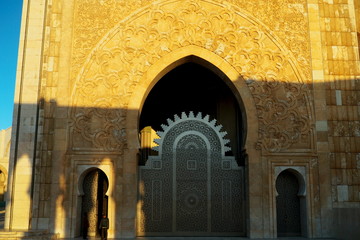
x: 286, y: 18
x: 116, y: 65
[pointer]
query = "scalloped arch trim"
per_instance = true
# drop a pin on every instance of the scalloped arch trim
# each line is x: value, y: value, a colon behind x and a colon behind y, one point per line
x: 192, y: 117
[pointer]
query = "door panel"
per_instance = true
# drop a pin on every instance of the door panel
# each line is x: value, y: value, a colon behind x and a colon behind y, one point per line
x: 191, y: 188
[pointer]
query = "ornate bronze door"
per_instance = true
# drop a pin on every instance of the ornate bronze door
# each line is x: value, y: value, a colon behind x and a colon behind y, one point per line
x: 191, y: 188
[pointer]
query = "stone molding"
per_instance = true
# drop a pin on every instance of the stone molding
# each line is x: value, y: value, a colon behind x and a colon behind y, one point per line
x: 81, y: 165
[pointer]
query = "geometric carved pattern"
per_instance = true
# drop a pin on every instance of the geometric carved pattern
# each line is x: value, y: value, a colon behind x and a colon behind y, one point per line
x: 115, y: 66
x: 191, y: 192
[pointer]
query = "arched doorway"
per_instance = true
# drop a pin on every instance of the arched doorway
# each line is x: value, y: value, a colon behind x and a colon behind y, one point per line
x: 94, y: 201
x: 193, y: 87
x: 176, y: 201
x: 288, y: 205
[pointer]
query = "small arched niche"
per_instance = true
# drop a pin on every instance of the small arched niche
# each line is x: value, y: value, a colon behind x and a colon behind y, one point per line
x: 291, y: 203
x: 93, y: 187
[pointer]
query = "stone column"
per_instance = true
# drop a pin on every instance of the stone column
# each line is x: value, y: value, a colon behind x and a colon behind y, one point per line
x: 25, y: 123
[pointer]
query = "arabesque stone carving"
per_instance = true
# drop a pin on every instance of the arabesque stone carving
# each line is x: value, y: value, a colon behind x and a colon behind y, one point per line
x: 290, y: 23
x: 117, y: 63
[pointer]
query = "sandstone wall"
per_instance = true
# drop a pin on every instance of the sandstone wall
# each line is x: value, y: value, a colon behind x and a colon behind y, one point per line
x: 86, y: 67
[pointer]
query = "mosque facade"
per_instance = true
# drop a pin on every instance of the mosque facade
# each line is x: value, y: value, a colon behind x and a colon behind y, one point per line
x: 187, y: 118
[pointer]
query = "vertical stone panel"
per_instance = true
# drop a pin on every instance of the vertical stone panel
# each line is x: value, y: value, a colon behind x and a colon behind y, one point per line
x: 338, y: 25
x: 27, y: 123
x: 341, y: 60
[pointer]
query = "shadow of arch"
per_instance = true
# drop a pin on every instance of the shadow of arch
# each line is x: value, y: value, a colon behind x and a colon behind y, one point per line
x: 291, y: 210
x: 93, y: 186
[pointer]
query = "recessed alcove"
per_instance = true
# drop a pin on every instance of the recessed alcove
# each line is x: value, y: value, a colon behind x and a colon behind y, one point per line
x: 193, y: 87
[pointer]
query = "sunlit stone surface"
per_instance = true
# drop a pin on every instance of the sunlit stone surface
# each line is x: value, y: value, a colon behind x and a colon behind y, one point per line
x: 94, y: 77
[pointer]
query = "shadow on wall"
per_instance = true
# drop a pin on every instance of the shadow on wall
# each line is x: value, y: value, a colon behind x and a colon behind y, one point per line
x: 50, y: 160
x: 5, y: 139
x: 55, y: 147
x: 346, y: 223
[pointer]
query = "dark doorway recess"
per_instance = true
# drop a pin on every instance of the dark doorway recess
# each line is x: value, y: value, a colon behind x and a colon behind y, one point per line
x: 288, y: 205
x: 95, y: 201
x: 193, y: 87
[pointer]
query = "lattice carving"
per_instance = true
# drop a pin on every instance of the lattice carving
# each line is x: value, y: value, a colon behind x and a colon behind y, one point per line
x: 194, y: 186
x: 122, y: 57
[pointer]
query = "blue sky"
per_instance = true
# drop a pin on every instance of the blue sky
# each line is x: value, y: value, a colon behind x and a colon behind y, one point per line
x: 10, y: 18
